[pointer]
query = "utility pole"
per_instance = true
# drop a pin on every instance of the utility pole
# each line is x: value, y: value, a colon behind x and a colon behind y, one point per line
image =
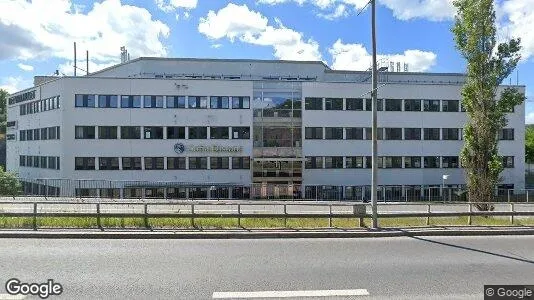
x: 374, y: 101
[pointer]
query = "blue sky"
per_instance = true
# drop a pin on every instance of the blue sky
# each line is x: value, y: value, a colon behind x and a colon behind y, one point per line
x: 416, y: 32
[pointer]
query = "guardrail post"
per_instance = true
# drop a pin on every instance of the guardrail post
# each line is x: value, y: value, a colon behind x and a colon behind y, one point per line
x: 146, y: 216
x: 330, y: 215
x: 34, y: 216
x: 239, y: 215
x: 527, y: 196
x: 361, y: 220
x: 512, y: 215
x: 98, y: 221
x: 428, y: 217
x: 285, y: 218
x: 192, y: 215
x: 469, y: 220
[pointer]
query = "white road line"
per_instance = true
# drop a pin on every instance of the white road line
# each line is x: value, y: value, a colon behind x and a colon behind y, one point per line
x: 289, y: 294
x: 11, y: 297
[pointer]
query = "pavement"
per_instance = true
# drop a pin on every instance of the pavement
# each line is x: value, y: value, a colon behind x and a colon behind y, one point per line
x: 380, y: 268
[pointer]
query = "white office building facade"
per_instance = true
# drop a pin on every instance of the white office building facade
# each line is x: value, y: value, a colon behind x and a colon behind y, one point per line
x: 200, y: 128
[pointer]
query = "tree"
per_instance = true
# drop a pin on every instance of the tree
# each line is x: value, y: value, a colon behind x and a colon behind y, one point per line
x: 9, y: 184
x: 529, y: 144
x: 3, y: 111
x: 488, y: 64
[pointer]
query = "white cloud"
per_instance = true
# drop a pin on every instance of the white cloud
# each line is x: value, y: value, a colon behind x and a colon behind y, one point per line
x: 341, y: 11
x: 434, y: 10
x: 251, y: 27
x: 14, y: 84
x: 356, y: 57
x: 329, y: 9
x: 102, y: 30
x: 516, y: 19
x: 25, y: 67
x: 529, y: 118
x: 171, y: 5
x: 216, y: 46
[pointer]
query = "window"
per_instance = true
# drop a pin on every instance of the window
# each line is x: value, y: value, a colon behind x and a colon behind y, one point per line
x: 22, y: 109
x: 219, y: 163
x: 431, y: 105
x: 44, y: 133
x: 369, y: 107
x: 198, y: 133
x: 219, y: 133
x: 393, y: 133
x: 412, y: 133
x: 451, y: 134
x: 175, y: 101
x: 369, y: 133
x: 354, y: 133
x: 240, y: 102
x: 313, y: 103
x: 36, y: 134
x: 219, y: 102
x: 333, y: 162
x: 108, y: 101
x: 333, y: 133
x: 333, y: 103
x: 241, y: 162
x: 393, y: 162
x: 130, y: 101
x: 354, y: 104
x: 197, y: 102
x: 431, y: 161
x: 131, y: 163
x: 84, y: 132
x: 153, y: 133
x: 29, y: 135
x: 83, y: 101
x: 508, y: 161
x: 175, y: 163
x: 29, y: 161
x: 22, y: 160
x: 130, y: 132
x: 53, y: 133
x: 52, y: 162
x: 198, y: 163
x: 313, y: 133
x: 450, y: 105
x: 411, y: 162
x: 84, y: 163
x: 154, y: 163
x: 393, y: 105
x: 354, y: 162
x: 314, y: 162
x: 462, y: 107
x: 431, y: 134
x: 175, y: 132
x: 241, y: 133
x: 22, y: 135
x: 108, y: 163
x: 449, y: 162
x: 107, y: 132
x: 506, y: 134
x: 153, y: 101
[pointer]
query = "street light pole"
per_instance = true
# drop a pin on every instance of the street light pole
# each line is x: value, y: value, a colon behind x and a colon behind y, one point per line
x: 374, y: 121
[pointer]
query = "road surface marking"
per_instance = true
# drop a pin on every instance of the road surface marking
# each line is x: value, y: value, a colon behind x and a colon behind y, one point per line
x: 11, y: 297
x: 289, y: 294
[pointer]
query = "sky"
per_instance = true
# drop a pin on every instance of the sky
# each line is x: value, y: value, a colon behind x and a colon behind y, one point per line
x: 36, y: 37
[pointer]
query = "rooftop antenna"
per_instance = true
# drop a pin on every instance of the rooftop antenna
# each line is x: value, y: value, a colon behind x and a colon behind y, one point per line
x: 405, y: 67
x: 398, y: 66
x: 125, y: 56
x: 87, y: 62
x: 74, y: 58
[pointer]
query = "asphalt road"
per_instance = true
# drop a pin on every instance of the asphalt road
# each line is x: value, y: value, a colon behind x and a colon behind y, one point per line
x: 385, y: 268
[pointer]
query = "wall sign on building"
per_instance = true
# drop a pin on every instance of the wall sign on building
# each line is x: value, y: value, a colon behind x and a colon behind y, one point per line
x: 180, y: 148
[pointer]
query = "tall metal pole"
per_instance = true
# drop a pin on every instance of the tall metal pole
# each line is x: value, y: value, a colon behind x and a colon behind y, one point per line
x: 75, y: 59
x: 87, y: 62
x: 374, y: 128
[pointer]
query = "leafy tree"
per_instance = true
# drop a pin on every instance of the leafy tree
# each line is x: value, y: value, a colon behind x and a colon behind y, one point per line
x: 529, y: 144
x: 3, y: 110
x: 488, y: 64
x: 9, y: 184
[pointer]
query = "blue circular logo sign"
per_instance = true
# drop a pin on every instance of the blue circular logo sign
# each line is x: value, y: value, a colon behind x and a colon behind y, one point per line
x: 179, y: 148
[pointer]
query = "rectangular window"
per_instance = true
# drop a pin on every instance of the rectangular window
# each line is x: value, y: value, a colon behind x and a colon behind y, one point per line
x: 84, y: 132
x: 198, y: 163
x: 393, y: 162
x: 108, y: 163
x: 219, y: 102
x: 314, y: 162
x: 108, y: 101
x: 333, y: 103
x: 431, y: 161
x: 411, y: 162
x: 153, y: 101
x: 107, y: 132
x: 29, y: 134
x: 314, y: 133
x: 369, y: 107
x: 36, y: 134
x: 197, y: 102
x: 175, y: 132
x: 131, y: 163
x: 412, y: 105
x: 431, y: 134
x: 431, y: 105
x: 52, y: 162
x: 175, y: 101
x: 450, y: 105
x: 354, y: 104
x: 175, y: 163
x: 84, y: 163
x: 241, y: 133
x: 333, y: 133
x: 354, y: 133
x: 393, y: 133
x: 240, y: 102
x: 153, y: 133
x: 506, y: 134
x: 22, y: 109
x: 369, y: 133
x: 508, y: 161
x: 130, y: 101
x: 449, y: 162
x: 393, y: 105
x: 313, y: 103
x: 241, y: 163
x: 219, y: 163
x: 44, y: 162
x: 451, y: 134
x: 83, y: 101
x: 198, y: 133
x: 130, y: 132
x: 22, y: 160
x: 29, y: 161
x: 154, y: 163
x: 22, y: 134
x: 333, y: 162
x: 354, y: 162
x: 52, y: 133
x: 219, y: 133
x: 412, y: 133
x: 44, y: 134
